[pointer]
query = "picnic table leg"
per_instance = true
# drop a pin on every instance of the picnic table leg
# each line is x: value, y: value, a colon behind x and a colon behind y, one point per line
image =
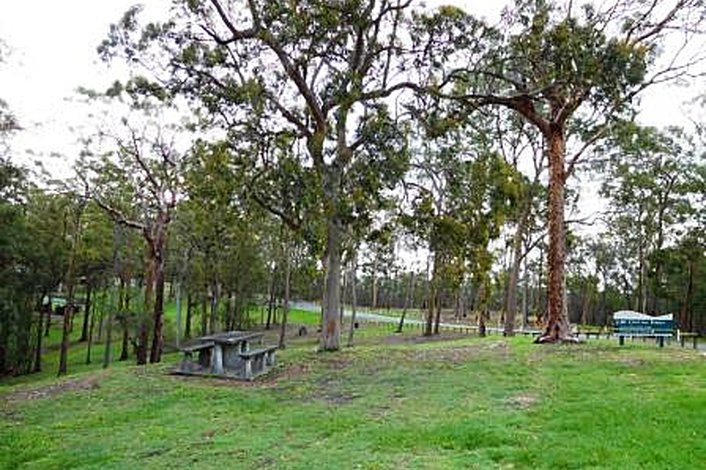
x: 270, y: 358
x: 661, y: 341
x: 185, y: 361
x: 217, y: 364
x: 248, y: 368
x: 621, y: 340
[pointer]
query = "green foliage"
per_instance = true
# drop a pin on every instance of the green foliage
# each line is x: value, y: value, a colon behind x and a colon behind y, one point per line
x: 33, y: 249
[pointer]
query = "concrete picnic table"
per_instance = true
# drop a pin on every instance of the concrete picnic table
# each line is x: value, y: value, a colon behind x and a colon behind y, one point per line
x: 227, y: 347
x: 228, y: 354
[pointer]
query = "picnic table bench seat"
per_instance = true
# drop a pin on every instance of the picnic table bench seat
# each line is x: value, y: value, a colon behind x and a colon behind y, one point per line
x: 257, y: 361
x: 204, y: 350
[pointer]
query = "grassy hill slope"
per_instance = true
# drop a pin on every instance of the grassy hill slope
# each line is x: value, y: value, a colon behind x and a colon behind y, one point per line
x: 391, y: 402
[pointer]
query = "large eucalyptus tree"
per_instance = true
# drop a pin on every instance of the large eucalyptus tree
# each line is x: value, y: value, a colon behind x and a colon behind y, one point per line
x: 137, y: 180
x: 320, y: 72
x: 570, y: 72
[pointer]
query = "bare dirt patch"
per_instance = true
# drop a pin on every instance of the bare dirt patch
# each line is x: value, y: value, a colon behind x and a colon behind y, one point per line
x: 632, y: 361
x: 522, y: 401
x: 272, y: 379
x: 89, y: 382
x: 419, y: 339
x: 460, y: 354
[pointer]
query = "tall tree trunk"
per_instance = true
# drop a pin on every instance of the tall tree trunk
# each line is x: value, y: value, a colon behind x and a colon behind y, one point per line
x: 604, y: 293
x: 271, y: 300
x: 125, y: 344
x: 40, y: 333
x: 84, y: 328
x: 343, y: 298
x: 160, y: 251
x: 437, y: 318
x: 585, y: 304
x: 108, y: 339
x: 407, y: 300
x: 229, y: 312
x: 518, y: 238
x: 215, y: 298
x: 91, y: 328
x: 685, y: 320
x: 525, y: 295
x: 354, y: 299
x: 204, y: 311
x: 481, y: 307
x: 374, y: 284
x: 177, y: 297
x: 143, y: 328
x: 70, y: 281
x: 189, y: 310
x: 285, y: 304
x: 557, y: 325
x: 123, y: 306
x: 331, y: 327
x: 690, y: 295
x: 50, y: 310
x: 430, y: 300
x: 641, y: 281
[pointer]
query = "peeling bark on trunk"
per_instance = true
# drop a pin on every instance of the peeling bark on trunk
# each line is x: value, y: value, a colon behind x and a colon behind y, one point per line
x: 159, y: 253
x: 556, y: 328
x: 330, y: 331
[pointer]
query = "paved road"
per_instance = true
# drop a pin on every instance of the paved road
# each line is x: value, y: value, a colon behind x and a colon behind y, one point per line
x: 312, y: 307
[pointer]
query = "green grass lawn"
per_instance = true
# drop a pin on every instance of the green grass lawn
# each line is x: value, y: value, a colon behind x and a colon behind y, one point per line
x: 391, y: 402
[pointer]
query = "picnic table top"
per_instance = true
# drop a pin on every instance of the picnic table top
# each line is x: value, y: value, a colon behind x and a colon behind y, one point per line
x: 231, y: 337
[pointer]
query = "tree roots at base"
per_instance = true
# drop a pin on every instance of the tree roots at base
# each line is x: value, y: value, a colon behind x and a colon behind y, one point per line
x: 549, y: 339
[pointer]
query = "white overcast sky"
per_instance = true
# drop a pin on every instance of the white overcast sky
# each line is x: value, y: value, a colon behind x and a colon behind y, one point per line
x: 53, y: 51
